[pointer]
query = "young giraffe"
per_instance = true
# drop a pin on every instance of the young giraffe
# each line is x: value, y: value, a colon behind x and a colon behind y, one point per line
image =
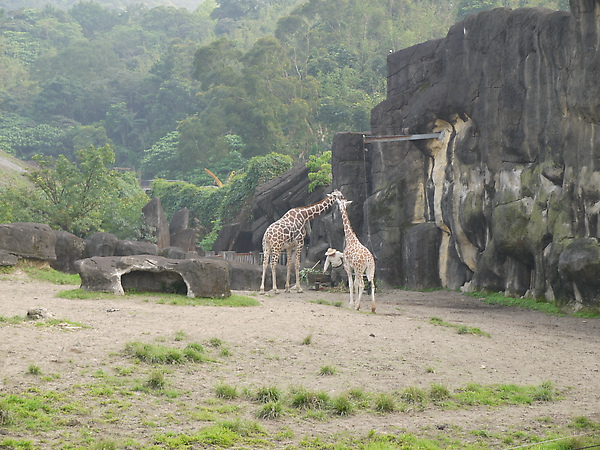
x: 288, y: 233
x: 357, y: 257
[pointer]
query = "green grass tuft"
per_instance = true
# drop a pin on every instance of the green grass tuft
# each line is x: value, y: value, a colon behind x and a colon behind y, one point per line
x: 327, y: 370
x: 160, y: 354
x: 385, y: 403
x: 270, y: 410
x: 226, y: 391
x: 268, y: 394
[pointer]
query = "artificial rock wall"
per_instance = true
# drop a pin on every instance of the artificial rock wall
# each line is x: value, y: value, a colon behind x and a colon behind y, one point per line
x: 509, y: 198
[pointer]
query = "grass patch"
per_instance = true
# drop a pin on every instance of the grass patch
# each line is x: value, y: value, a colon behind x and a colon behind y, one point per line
x: 220, y: 435
x: 506, y: 394
x: 304, y: 399
x: 268, y: 394
x: 342, y: 405
x: 498, y: 298
x: 66, y: 325
x: 320, y: 301
x: 327, y: 371
x: 34, y: 369
x: 233, y: 301
x: 162, y: 298
x: 51, y: 276
x: 270, y: 410
x: 385, y: 403
x: 15, y: 320
x: 307, y: 340
x: 157, y: 380
x: 161, y: 354
x: 82, y: 294
x: 226, y: 391
x: 461, y: 329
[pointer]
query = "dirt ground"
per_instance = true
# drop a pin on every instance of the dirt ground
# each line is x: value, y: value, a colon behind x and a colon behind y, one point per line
x: 383, y: 353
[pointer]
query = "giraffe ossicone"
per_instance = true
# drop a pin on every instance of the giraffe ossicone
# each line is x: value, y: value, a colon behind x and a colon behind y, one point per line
x: 288, y: 234
x: 357, y: 259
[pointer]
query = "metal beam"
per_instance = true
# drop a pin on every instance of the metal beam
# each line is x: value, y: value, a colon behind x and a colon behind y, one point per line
x: 406, y: 137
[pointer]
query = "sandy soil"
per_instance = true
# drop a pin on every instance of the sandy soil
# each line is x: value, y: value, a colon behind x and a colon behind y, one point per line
x: 383, y: 353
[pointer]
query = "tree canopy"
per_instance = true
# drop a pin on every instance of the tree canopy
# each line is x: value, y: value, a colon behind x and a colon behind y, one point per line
x: 170, y: 91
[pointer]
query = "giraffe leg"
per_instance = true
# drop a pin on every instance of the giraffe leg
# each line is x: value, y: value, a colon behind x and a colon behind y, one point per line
x: 372, y: 296
x: 274, y: 261
x: 289, y: 269
x: 274, y: 274
x: 350, y: 288
x: 297, y: 265
x: 371, y: 278
x: 265, y: 264
x: 360, y: 286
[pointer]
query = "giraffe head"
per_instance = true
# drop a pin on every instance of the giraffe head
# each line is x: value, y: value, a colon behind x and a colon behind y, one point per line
x: 336, y: 195
x: 342, y: 202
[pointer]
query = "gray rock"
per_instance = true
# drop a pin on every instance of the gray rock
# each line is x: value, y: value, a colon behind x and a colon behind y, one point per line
x: 172, y: 252
x: 513, y: 181
x: 128, y: 248
x: 192, y: 277
x: 69, y: 248
x: 28, y: 240
x: 247, y: 277
x: 8, y: 259
x: 185, y: 239
x: 100, y: 244
x: 156, y: 220
x: 39, y: 313
x: 180, y: 221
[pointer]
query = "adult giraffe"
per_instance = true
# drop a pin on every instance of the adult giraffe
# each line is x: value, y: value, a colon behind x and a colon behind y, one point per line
x: 358, y: 258
x: 288, y: 233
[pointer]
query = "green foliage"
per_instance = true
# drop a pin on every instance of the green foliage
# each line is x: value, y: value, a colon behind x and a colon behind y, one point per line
x: 320, y: 170
x: 81, y: 197
x: 209, y: 207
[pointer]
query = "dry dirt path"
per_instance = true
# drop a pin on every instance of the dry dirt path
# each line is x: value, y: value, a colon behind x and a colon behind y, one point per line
x: 383, y: 353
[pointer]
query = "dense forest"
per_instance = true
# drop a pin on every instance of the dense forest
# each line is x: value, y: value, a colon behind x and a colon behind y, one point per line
x: 175, y: 90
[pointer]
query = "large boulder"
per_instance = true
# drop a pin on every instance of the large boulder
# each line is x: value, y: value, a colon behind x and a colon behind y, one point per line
x: 200, y: 277
x: 69, y: 248
x: 128, y: 248
x: 247, y: 277
x: 180, y: 221
x: 156, y: 220
x: 184, y: 239
x: 28, y: 240
x: 579, y: 267
x: 513, y: 177
x: 8, y: 259
x: 100, y: 244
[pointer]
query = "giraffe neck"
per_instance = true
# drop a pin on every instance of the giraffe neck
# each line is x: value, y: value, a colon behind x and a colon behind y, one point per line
x: 348, y: 231
x: 316, y: 209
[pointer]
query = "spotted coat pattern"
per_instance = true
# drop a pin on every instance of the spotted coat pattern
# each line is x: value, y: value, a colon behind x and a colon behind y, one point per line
x: 288, y: 234
x: 357, y: 258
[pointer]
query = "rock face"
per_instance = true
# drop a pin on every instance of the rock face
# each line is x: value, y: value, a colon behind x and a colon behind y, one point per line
x: 69, y: 248
x: 271, y: 201
x: 193, y: 277
x: 28, y: 240
x: 514, y: 182
x: 156, y: 219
